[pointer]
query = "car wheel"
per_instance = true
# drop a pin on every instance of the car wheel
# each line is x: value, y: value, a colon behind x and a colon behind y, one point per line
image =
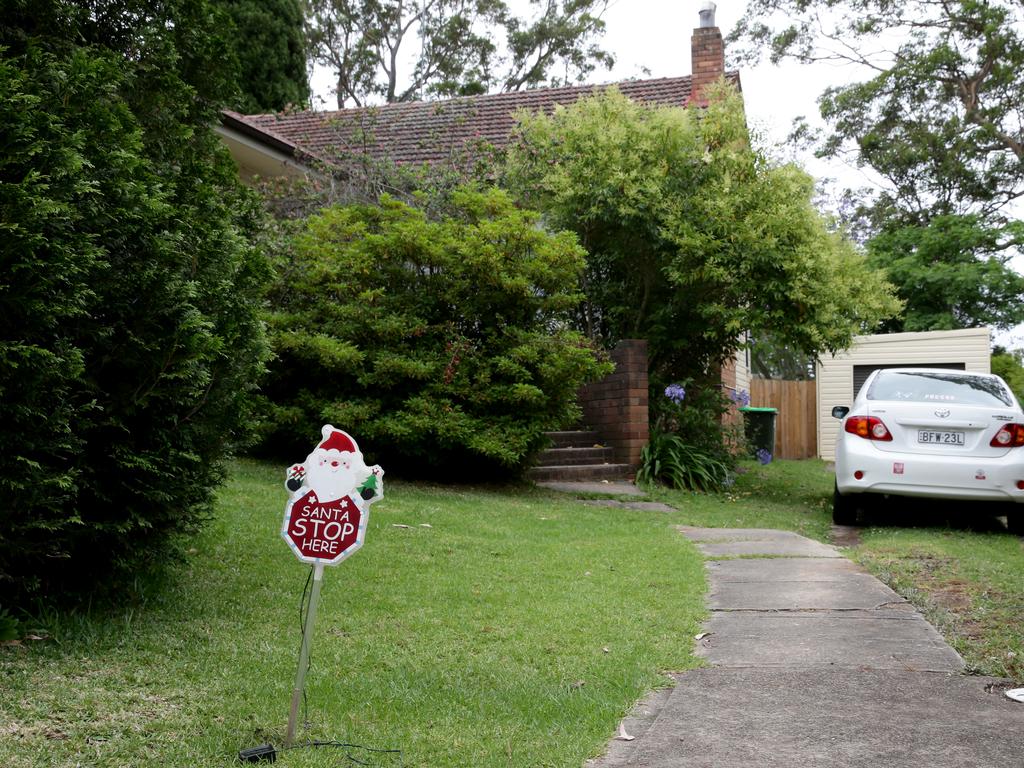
x: 1015, y: 523
x: 844, y: 509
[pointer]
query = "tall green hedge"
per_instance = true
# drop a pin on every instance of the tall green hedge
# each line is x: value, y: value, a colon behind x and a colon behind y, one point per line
x: 442, y: 345
x: 129, y: 289
x: 270, y: 44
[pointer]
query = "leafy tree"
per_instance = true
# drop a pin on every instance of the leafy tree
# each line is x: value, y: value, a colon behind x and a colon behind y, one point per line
x: 771, y: 358
x: 454, y: 44
x: 1008, y: 366
x: 938, y: 119
x: 129, y: 288
x: 949, y: 274
x: 442, y: 343
x: 270, y: 44
x: 692, y: 235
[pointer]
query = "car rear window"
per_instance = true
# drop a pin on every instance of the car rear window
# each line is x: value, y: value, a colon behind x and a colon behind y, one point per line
x: 939, y: 387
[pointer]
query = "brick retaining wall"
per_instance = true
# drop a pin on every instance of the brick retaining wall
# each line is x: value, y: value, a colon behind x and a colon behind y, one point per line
x: 616, y: 406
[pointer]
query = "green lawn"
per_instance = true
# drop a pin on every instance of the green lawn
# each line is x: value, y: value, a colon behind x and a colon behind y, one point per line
x: 515, y: 630
x: 787, y: 495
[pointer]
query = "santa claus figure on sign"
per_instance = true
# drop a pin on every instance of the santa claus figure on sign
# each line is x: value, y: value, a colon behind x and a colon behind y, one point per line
x: 336, y: 469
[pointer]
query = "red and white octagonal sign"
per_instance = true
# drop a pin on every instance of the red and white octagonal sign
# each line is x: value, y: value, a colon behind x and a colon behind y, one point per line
x: 324, y: 531
x: 326, y: 517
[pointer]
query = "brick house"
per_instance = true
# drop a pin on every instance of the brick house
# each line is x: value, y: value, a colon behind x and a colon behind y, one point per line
x: 297, y: 144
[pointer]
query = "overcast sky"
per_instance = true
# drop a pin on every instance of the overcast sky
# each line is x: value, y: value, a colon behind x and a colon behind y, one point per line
x: 656, y: 34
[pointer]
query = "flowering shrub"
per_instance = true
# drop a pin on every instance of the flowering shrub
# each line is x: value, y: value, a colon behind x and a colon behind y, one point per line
x: 688, y: 444
x: 739, y: 397
x: 676, y: 393
x: 696, y: 410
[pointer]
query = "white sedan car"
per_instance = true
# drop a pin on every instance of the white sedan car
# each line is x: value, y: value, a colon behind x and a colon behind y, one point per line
x: 932, y: 433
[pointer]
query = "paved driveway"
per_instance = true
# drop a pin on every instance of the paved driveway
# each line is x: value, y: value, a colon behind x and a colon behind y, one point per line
x: 814, y: 662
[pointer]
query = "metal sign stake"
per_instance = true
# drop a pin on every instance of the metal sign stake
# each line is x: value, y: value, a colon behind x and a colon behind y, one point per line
x: 307, y: 634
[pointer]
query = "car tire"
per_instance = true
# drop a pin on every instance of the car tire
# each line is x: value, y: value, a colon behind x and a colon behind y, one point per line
x: 844, y: 508
x: 1015, y: 523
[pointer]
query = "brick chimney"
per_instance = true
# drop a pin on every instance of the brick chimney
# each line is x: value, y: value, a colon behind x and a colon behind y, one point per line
x: 707, y: 53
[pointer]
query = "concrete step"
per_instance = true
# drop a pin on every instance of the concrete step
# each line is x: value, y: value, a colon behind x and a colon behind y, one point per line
x: 578, y: 472
x: 575, y: 438
x: 561, y: 456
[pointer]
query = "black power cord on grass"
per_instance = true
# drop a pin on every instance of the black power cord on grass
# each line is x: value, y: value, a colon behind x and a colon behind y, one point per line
x: 268, y: 753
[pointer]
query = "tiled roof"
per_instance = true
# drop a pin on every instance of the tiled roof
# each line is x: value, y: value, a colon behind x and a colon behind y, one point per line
x: 430, y: 131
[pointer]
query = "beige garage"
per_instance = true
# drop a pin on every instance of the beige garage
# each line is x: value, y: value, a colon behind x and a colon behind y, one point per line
x: 839, y: 377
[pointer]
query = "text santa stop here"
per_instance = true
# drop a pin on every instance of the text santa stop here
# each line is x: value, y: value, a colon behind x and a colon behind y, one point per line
x: 327, y: 512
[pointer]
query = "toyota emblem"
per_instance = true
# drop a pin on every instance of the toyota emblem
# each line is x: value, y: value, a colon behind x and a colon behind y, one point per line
x: 942, y: 412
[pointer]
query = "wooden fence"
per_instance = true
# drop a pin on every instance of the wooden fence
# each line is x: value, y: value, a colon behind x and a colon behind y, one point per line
x: 796, y: 425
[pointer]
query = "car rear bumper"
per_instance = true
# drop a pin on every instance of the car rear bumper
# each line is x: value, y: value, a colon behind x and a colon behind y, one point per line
x: 929, y: 476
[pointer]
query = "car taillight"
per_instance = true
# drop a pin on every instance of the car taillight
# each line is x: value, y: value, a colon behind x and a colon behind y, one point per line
x: 868, y: 427
x: 1010, y: 436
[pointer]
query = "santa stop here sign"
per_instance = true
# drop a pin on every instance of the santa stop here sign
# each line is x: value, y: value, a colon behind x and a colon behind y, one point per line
x: 326, y: 516
x: 326, y: 531
x: 325, y: 521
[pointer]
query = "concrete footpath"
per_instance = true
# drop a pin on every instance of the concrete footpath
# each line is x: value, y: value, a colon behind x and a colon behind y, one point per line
x: 814, y: 662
